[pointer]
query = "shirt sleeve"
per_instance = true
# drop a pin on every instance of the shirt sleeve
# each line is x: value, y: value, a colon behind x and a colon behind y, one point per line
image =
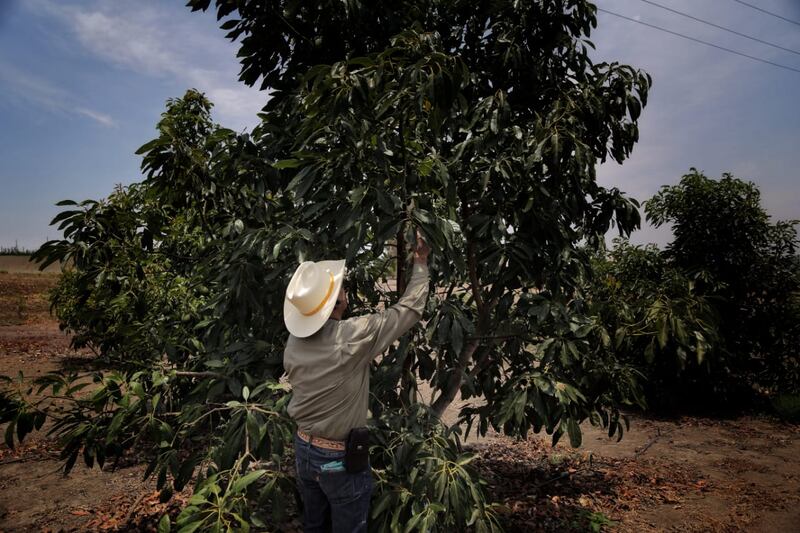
x: 370, y: 335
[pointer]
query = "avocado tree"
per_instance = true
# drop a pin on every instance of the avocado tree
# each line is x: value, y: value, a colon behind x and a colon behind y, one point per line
x: 661, y: 324
x: 479, y: 124
x: 748, y: 267
x: 482, y: 127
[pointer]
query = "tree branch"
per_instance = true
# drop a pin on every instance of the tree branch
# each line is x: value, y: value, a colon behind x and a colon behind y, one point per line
x: 497, y: 337
x: 186, y: 373
x: 480, y: 362
x: 456, y: 378
x: 472, y: 267
x: 449, y: 392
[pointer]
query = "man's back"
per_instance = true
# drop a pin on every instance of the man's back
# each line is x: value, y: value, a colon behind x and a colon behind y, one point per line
x: 327, y: 360
x: 329, y: 371
x: 330, y: 387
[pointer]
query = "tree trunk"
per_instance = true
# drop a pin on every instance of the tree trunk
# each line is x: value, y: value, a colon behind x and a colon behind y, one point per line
x: 408, y: 362
x: 400, y: 286
x: 456, y: 378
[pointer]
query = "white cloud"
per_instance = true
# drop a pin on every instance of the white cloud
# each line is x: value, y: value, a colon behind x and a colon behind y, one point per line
x: 130, y: 42
x: 29, y: 88
x: 102, y: 118
x: 144, y: 38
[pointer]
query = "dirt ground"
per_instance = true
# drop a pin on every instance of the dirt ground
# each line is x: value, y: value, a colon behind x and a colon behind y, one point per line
x: 684, y: 474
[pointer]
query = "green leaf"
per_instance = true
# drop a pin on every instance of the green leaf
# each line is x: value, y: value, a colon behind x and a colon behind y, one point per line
x: 649, y: 352
x: 425, y: 166
x: 574, y: 432
x: 301, y: 182
x: 164, y: 524
x: 24, y: 425
x: 466, y: 459
x: 116, y: 422
x: 357, y: 194
x: 229, y: 24
x: 149, y: 146
x: 383, y: 503
x: 701, y: 351
x: 165, y: 495
x: 456, y: 337
x: 191, y: 527
x: 581, y: 331
x: 412, y: 522
x: 663, y: 333
x: 243, y: 482
x: 137, y: 389
x: 619, y: 336
x: 9, y: 434
x: 287, y: 163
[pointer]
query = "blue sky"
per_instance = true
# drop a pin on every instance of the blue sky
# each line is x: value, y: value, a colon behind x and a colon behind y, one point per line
x: 710, y: 109
x: 83, y: 84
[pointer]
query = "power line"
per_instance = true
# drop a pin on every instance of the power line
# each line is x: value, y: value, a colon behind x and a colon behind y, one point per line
x: 767, y: 12
x: 699, y: 41
x: 756, y: 39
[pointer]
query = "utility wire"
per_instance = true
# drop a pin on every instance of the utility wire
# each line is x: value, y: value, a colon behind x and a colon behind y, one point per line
x: 699, y: 41
x: 767, y: 12
x: 756, y: 39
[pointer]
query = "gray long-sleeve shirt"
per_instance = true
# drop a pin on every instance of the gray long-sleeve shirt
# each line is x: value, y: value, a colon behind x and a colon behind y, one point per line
x: 329, y: 371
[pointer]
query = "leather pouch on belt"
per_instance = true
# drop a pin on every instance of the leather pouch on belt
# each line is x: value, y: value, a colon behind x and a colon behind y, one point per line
x: 356, y: 453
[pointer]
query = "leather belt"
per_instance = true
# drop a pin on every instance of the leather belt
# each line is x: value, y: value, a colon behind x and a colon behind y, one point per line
x: 320, y: 442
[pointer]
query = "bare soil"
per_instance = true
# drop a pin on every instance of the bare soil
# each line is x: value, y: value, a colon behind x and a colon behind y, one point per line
x: 23, y: 297
x: 684, y: 474
x: 687, y: 474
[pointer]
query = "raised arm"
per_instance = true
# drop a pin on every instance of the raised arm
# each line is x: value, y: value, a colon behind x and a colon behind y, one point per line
x: 370, y: 335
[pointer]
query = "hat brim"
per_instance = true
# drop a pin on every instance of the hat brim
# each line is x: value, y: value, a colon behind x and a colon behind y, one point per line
x: 302, y: 326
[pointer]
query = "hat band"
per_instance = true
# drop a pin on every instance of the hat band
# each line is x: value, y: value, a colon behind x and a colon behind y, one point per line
x: 324, y: 300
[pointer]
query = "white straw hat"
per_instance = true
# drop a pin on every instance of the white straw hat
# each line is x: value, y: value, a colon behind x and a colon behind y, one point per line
x: 311, y: 296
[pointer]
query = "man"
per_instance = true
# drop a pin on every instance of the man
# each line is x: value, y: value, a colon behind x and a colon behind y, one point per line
x: 327, y: 360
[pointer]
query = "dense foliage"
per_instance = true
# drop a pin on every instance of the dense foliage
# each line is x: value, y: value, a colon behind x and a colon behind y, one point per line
x: 748, y: 268
x: 479, y: 124
x: 712, y: 321
x: 661, y: 324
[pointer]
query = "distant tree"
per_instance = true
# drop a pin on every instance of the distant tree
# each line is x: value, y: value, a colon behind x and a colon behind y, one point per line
x: 659, y: 322
x: 724, y: 238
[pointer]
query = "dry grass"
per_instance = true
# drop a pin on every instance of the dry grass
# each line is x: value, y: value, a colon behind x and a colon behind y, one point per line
x: 23, y: 297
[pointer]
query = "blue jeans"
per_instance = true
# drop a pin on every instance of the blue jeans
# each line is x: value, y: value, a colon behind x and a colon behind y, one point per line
x: 333, y: 500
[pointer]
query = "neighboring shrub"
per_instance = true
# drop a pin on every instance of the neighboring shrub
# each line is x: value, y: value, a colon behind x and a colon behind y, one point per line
x: 787, y: 406
x: 712, y: 322
x: 747, y: 267
x: 659, y: 324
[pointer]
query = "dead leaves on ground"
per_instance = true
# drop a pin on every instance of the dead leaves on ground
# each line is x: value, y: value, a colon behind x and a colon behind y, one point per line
x: 545, y: 490
x: 128, y: 512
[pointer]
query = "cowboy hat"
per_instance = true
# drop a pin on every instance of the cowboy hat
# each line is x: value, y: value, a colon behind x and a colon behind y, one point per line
x: 311, y: 296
